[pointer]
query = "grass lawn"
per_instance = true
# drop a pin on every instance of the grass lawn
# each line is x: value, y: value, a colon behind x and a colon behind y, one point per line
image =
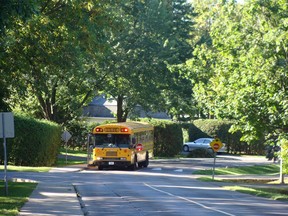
x: 18, y: 193
x: 245, y: 170
x: 269, y: 191
x: 73, y: 157
x: 71, y: 152
x: 62, y: 162
x: 11, y: 168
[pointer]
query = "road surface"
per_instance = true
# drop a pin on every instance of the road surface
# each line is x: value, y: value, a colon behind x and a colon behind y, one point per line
x: 166, y: 187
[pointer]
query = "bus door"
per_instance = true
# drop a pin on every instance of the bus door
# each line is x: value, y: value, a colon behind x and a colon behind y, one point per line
x: 90, y: 146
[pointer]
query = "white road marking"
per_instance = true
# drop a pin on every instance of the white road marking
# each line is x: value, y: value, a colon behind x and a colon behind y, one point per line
x: 157, y: 169
x: 189, y: 200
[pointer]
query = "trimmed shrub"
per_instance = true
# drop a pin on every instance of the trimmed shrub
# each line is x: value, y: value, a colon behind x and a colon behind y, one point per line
x: 168, y: 138
x: 220, y: 128
x: 79, y: 130
x: 36, y: 142
x: 200, y: 153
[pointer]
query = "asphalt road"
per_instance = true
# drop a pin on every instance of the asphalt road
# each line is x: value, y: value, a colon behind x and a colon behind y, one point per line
x: 166, y: 187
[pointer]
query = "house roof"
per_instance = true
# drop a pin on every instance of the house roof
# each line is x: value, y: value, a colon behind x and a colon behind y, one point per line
x: 102, y: 100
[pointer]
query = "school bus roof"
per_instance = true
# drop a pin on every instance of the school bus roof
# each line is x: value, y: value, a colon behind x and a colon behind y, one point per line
x: 132, y: 127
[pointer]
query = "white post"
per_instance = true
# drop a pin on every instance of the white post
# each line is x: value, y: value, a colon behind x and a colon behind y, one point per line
x: 213, y: 171
x: 5, y: 155
x: 281, y: 177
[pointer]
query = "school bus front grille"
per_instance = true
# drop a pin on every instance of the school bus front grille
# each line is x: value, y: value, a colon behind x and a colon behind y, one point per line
x: 111, y: 153
x: 111, y: 159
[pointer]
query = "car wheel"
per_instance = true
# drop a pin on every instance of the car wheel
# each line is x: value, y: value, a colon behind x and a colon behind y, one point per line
x: 186, y: 148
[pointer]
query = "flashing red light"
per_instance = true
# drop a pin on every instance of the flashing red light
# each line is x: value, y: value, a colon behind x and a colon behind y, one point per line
x: 139, y: 147
x: 124, y: 129
x: 99, y: 130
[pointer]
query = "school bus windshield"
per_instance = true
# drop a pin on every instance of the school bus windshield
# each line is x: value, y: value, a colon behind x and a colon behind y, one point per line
x: 112, y: 140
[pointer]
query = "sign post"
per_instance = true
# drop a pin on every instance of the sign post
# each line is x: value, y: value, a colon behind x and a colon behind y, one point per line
x: 6, y: 131
x: 65, y: 137
x: 216, y: 145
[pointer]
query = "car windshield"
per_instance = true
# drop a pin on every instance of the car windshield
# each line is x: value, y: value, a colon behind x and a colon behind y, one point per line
x: 112, y: 140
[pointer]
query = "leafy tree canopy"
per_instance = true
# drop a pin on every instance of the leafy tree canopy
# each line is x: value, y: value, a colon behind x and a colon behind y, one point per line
x: 247, y: 63
x: 52, y: 56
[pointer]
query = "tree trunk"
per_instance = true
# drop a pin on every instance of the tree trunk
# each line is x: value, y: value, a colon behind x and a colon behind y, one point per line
x: 121, y: 113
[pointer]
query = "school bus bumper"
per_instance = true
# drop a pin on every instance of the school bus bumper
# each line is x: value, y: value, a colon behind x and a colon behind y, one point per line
x: 121, y: 162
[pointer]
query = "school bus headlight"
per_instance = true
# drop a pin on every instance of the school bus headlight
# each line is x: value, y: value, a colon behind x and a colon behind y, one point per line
x: 123, y: 158
x: 99, y: 158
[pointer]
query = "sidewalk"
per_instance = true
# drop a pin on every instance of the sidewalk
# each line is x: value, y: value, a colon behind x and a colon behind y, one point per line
x: 53, y: 198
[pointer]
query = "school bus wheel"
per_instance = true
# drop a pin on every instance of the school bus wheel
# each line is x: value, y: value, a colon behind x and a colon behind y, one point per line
x: 134, y: 165
x: 146, y: 162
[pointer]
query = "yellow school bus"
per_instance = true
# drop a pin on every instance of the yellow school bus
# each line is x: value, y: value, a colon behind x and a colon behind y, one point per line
x: 125, y: 144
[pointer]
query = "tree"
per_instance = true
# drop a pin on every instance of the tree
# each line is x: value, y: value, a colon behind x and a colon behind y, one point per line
x: 249, y: 81
x: 9, y: 11
x: 142, y: 51
x: 199, y: 69
x: 53, y: 56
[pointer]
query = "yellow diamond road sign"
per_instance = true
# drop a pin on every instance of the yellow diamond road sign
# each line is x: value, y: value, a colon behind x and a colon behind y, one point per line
x: 216, y: 144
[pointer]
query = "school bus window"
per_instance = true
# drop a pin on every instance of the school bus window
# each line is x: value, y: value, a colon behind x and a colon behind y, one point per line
x: 112, y: 140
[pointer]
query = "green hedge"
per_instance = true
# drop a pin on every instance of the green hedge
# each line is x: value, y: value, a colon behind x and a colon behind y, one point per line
x: 220, y: 128
x: 79, y: 130
x: 168, y: 138
x: 36, y: 142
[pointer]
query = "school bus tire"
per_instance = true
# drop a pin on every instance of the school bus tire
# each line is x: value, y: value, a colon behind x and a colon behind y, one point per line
x: 135, y: 165
x: 146, y: 162
x: 100, y: 167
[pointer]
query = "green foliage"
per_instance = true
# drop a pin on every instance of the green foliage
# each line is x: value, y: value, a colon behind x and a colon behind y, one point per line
x: 284, y: 154
x: 13, y: 168
x: 168, y: 138
x: 4, y: 95
x: 141, y: 51
x: 50, y: 58
x: 239, y: 68
x: 239, y: 65
x: 271, y: 193
x: 246, y: 170
x: 36, y: 142
x: 56, y: 55
x: 79, y: 130
x: 200, y: 153
x: 195, y: 132
x: 221, y: 129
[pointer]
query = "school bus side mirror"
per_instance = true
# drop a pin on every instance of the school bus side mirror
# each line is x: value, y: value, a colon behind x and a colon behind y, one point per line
x: 133, y: 140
